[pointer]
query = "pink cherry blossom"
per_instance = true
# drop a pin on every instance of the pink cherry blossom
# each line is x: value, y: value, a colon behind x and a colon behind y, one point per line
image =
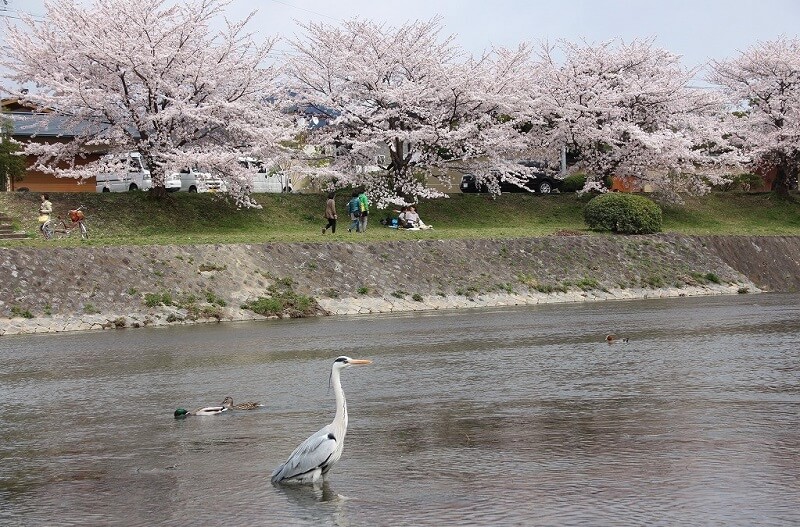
x: 145, y: 76
x: 763, y: 88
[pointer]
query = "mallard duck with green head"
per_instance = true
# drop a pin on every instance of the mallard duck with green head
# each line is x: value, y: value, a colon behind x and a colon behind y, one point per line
x: 207, y: 410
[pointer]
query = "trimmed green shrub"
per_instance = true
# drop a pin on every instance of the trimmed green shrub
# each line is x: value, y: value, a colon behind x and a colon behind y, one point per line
x: 623, y: 213
x: 573, y: 182
x: 744, y: 182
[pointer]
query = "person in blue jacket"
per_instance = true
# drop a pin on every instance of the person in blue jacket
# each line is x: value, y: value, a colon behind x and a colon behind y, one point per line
x: 354, y: 208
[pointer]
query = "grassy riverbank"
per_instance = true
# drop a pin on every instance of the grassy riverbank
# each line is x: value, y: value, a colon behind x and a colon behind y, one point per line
x: 137, y: 219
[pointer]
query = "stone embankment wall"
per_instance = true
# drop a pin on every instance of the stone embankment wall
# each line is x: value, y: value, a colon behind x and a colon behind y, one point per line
x: 771, y: 262
x: 63, y: 289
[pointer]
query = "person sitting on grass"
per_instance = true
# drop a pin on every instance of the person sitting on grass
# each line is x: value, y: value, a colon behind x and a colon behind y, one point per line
x: 391, y: 222
x: 409, y: 219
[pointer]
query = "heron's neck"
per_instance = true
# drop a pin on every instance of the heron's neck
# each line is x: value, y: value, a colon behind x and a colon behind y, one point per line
x: 340, y: 420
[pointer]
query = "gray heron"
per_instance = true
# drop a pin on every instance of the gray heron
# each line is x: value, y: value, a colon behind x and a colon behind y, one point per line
x: 311, y: 461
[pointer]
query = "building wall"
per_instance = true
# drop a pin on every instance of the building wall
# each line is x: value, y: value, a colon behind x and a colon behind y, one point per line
x: 768, y: 175
x: 35, y: 181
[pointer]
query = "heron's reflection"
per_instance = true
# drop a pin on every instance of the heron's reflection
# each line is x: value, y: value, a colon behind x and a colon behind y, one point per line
x: 319, y: 502
x: 308, y: 494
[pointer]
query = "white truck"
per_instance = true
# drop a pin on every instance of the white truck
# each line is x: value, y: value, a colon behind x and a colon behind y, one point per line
x: 193, y: 179
x: 128, y: 174
x: 263, y: 179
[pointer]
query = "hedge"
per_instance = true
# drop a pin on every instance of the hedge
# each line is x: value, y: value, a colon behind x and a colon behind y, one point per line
x: 573, y: 182
x: 623, y: 213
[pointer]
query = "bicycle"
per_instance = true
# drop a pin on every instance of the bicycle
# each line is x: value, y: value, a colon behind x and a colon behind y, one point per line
x: 76, y: 218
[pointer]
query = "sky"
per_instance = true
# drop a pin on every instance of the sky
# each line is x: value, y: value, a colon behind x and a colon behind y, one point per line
x: 698, y: 30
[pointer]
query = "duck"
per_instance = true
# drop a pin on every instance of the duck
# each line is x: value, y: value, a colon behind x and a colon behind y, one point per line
x: 613, y: 338
x: 228, y: 403
x: 207, y: 410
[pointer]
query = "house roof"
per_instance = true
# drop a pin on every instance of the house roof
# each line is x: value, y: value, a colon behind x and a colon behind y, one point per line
x: 12, y: 104
x: 27, y: 124
x: 31, y: 123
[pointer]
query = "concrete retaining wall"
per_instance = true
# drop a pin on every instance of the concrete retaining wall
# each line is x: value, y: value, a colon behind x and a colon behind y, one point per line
x: 64, y: 289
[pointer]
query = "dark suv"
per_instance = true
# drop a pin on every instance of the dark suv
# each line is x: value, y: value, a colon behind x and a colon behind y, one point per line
x: 541, y: 181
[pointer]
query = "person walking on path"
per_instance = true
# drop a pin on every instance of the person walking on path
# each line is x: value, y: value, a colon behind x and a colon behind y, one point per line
x: 363, y: 208
x: 45, y: 210
x: 330, y: 213
x: 353, y: 207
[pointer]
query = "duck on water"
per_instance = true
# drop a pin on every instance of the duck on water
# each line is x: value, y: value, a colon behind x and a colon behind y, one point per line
x: 227, y: 404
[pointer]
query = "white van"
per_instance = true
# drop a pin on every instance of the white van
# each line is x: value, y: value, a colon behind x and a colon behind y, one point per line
x: 131, y: 175
x: 263, y: 180
x: 193, y: 179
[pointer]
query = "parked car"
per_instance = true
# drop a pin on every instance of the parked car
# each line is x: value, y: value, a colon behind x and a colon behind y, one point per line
x: 193, y: 179
x: 541, y: 180
x: 130, y: 174
x: 172, y: 183
x: 265, y: 180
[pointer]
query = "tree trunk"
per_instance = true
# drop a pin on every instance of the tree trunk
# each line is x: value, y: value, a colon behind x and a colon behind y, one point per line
x: 782, y: 181
x: 157, y: 175
x: 399, y: 166
x: 159, y: 191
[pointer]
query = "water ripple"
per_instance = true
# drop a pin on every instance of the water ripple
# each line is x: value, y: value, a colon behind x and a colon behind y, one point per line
x: 492, y: 417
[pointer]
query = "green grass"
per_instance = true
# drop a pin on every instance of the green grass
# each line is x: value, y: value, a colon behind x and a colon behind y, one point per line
x: 138, y: 219
x: 735, y: 213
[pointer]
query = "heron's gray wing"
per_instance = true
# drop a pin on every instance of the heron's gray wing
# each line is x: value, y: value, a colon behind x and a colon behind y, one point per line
x: 312, y: 453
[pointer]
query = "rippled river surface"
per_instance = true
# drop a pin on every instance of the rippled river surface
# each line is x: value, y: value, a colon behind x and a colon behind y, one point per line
x: 492, y: 417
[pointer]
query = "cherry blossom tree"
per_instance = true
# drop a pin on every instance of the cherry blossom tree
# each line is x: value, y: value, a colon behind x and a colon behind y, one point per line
x: 402, y: 104
x: 625, y: 110
x: 763, y: 86
x: 147, y: 76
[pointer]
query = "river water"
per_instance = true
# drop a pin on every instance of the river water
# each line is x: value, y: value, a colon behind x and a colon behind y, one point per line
x: 520, y: 416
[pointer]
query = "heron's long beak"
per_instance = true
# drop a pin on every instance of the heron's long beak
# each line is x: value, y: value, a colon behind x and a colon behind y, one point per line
x: 359, y: 361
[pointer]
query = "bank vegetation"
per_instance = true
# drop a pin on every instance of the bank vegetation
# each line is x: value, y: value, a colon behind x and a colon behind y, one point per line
x: 188, y: 219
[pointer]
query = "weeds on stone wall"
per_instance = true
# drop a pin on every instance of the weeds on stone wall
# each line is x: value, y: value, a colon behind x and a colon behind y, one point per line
x: 696, y: 278
x: 17, y: 311
x: 282, y: 300
x: 587, y: 284
x: 158, y: 299
x: 214, y: 299
x: 192, y: 304
x: 207, y: 267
